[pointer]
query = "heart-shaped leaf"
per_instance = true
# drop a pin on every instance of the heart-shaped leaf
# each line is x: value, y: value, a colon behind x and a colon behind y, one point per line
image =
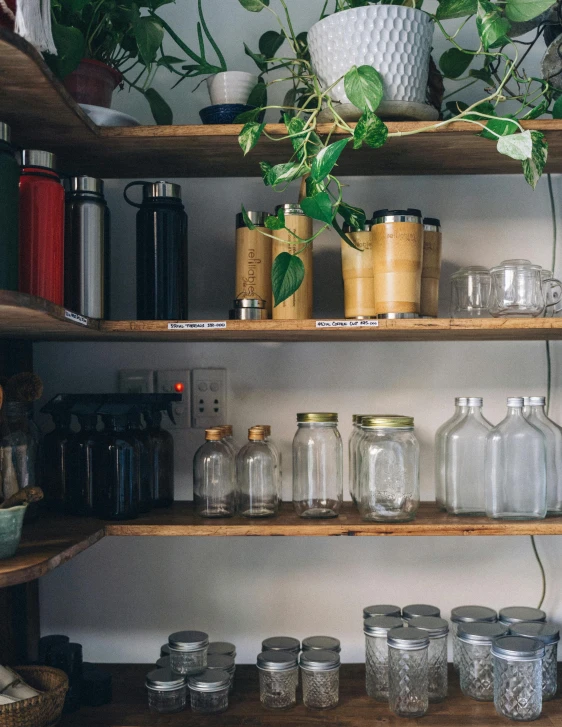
x: 454, y: 62
x: 455, y: 9
x: 533, y: 167
x: 287, y: 274
x: 517, y: 146
x: 364, y: 87
x: 149, y: 35
x: 353, y: 216
x: 160, y: 110
x: 326, y: 159
x: 522, y: 10
x: 319, y: 207
x: 254, y: 6
x: 502, y: 126
x: 249, y: 136
x: 369, y: 130
x: 270, y: 42
x: 491, y: 25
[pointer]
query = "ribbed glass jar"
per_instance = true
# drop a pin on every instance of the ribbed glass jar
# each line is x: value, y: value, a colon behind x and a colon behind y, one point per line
x: 549, y: 636
x: 188, y: 652
x: 376, y: 630
x: 320, y: 679
x: 279, y: 676
x: 167, y: 691
x: 209, y: 691
x: 475, y: 658
x: 465, y: 615
x: 437, y: 629
x: 518, y: 677
x: 223, y: 662
x: 408, y: 671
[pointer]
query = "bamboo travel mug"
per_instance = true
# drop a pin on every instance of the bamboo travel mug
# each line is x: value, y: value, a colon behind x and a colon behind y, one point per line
x: 253, y: 260
x: 357, y: 271
x: 397, y: 262
x: 431, y: 268
x: 299, y: 305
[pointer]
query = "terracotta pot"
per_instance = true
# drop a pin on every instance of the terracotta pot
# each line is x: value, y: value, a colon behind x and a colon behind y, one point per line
x: 5, y: 21
x: 93, y: 82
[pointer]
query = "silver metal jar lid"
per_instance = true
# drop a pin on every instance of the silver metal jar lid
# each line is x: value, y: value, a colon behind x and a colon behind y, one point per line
x: 291, y: 208
x: 546, y: 633
x: 434, y: 626
x: 5, y: 132
x: 248, y: 303
x: 515, y: 401
x: 165, y: 680
x: 481, y: 632
x: 188, y: 640
x: 281, y: 643
x: 474, y: 401
x: 381, y: 625
x: 38, y: 158
x: 431, y: 224
x: 408, y: 215
x: 256, y: 218
x: 420, y: 609
x: 321, y: 643
x: 320, y: 660
x: 366, y: 227
x: 165, y: 650
x: 86, y: 184
x: 407, y: 638
x: 221, y: 647
x: 517, y: 648
x: 518, y: 614
x: 461, y: 401
x: 468, y: 614
x: 383, y: 609
x: 211, y: 680
x: 161, y: 189
x: 221, y: 661
x: 277, y: 660
x: 534, y: 400
x: 163, y: 662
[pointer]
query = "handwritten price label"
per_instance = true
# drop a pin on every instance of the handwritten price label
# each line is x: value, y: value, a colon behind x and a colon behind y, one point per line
x: 347, y: 324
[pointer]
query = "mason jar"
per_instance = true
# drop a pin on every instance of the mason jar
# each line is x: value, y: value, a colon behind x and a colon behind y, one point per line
x: 317, y: 466
x: 475, y: 658
x: 437, y: 629
x: 408, y: 672
x: 376, y: 630
x: 279, y: 676
x: 221, y: 647
x: 382, y: 609
x: 389, y: 474
x: 549, y: 636
x: 521, y: 614
x: 281, y: 643
x: 518, y: 677
x: 167, y: 691
x: 188, y: 651
x: 465, y: 615
x: 209, y: 691
x: 320, y: 679
x: 223, y: 662
x: 321, y: 643
x: 415, y: 610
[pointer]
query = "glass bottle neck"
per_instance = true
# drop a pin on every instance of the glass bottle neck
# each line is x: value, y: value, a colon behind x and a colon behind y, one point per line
x: 515, y: 411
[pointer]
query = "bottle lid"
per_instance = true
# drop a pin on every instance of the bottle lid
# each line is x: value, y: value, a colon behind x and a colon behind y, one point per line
x: 160, y: 189
x: 290, y: 208
x: 470, y: 271
x: 256, y: 434
x: 213, y: 435
x: 165, y: 680
x: 475, y: 401
x: 420, y: 609
x: 381, y: 625
x: 239, y: 303
x: 5, y: 132
x: 256, y: 218
x: 515, y: 401
x: 407, y: 638
x: 461, y: 401
x: 431, y: 224
x: 387, y: 422
x: 211, y: 680
x: 433, y: 625
x: 318, y: 417
x: 85, y: 184
x: 277, y: 660
x: 517, y: 614
x: 518, y: 265
x: 534, y: 400
x: 188, y: 640
x: 38, y: 158
x: 266, y: 429
x: 407, y: 215
x: 481, y: 632
x: 220, y: 661
x: 319, y: 660
x: 473, y: 614
x: 366, y: 227
x: 321, y: 643
x: 547, y: 633
x: 165, y: 650
x: 281, y: 643
x: 382, y: 609
x: 517, y: 648
x: 221, y: 647
x: 227, y: 429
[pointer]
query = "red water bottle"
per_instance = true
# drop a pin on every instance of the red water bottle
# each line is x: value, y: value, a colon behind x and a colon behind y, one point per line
x: 41, y: 227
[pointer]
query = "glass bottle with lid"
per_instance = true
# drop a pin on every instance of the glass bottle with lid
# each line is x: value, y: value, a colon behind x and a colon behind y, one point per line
x: 279, y: 675
x: 376, y: 630
x: 209, y: 691
x: 549, y: 635
x: 466, y: 615
x: 389, y: 481
x: 167, y: 691
x: 228, y: 437
x: 518, y: 677
x: 320, y: 679
x: 317, y: 466
x: 223, y: 662
x: 408, y: 672
x: 515, y: 467
x: 276, y: 452
x: 281, y: 643
x: 461, y: 404
x: 382, y: 609
x: 416, y: 610
x: 255, y: 471
x: 521, y: 614
x: 534, y: 412
x: 475, y: 658
x: 188, y: 651
x: 321, y: 643
x: 214, y: 479
x: 465, y: 452
x: 437, y: 629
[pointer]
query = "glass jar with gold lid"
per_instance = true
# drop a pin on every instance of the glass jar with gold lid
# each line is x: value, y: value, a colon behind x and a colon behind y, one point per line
x: 388, y: 458
x: 317, y: 465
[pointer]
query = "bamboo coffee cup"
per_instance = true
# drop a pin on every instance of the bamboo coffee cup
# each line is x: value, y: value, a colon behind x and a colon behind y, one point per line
x: 357, y: 271
x: 253, y: 260
x: 397, y: 262
x: 431, y: 269
x: 299, y: 305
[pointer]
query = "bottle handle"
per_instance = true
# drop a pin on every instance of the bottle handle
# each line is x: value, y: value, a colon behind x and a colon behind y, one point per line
x: 127, y: 199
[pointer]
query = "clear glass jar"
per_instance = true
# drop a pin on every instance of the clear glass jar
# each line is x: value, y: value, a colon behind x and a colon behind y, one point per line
x: 321, y: 643
x: 376, y: 629
x: 437, y: 630
x: 317, y: 466
x: 518, y: 677
x: 416, y: 610
x: 255, y: 473
x: 188, y: 651
x: 521, y: 614
x: 167, y: 691
x: 408, y: 672
x: 440, y: 450
x: 19, y: 444
x: 209, y: 691
x: 320, y: 679
x: 517, y: 289
x: 515, y: 468
x: 281, y: 643
x: 279, y: 676
x: 467, y: 615
x: 534, y: 412
x: 470, y: 292
x: 224, y: 648
x: 224, y: 663
x: 214, y: 477
x: 475, y: 658
x: 549, y: 636
x: 382, y: 609
x: 465, y: 451
x: 551, y: 288
x: 389, y: 479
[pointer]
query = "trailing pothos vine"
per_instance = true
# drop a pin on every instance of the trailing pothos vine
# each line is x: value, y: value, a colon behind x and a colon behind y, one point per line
x: 314, y: 157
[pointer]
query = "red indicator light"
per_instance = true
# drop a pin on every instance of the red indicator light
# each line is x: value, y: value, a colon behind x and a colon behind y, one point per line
x: 179, y: 387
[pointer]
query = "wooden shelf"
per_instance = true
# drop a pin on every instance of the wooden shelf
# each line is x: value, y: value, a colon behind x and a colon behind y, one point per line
x: 43, y: 115
x: 356, y: 709
x: 54, y: 539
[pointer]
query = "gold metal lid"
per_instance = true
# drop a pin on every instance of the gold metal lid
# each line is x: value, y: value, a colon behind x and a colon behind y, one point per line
x: 389, y: 421
x: 226, y: 429
x: 213, y: 435
x: 317, y: 417
x: 265, y: 427
x: 357, y: 418
x: 256, y: 434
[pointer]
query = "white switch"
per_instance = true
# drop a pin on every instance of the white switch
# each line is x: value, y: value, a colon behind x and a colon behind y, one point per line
x: 176, y: 381
x: 208, y: 400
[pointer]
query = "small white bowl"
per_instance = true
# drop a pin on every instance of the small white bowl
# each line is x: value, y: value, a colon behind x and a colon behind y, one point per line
x: 231, y: 87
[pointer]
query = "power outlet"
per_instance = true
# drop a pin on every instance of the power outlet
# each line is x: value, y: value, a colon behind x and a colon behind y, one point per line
x: 175, y: 381
x: 136, y: 381
x: 208, y: 398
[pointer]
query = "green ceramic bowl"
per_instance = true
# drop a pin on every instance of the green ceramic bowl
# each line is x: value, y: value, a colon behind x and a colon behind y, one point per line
x: 11, y: 521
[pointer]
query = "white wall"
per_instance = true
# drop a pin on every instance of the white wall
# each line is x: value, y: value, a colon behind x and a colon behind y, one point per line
x: 123, y: 597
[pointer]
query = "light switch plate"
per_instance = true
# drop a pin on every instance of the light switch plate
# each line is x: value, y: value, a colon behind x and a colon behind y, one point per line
x: 208, y: 398
x: 176, y: 381
x: 136, y: 381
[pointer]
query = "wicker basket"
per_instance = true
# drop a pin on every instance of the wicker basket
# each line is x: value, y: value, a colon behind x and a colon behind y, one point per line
x: 44, y: 710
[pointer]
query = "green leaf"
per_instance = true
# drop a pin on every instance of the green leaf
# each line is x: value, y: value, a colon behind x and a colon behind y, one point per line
x: 533, y: 167
x: 265, y: 172
x: 76, y: 6
x: 287, y: 274
x: 557, y: 108
x: 258, y: 95
x: 483, y: 108
x: 250, y: 135
x: 303, y: 148
x: 454, y: 62
x: 539, y: 110
x: 517, y: 146
x: 455, y: 9
x: 160, y: 110
x: 318, y: 207
x: 364, y: 87
x: 522, y: 10
x: 273, y: 222
x: 284, y: 173
x: 326, y: 159
x: 353, y: 216
x: 71, y: 48
x: 270, y: 42
x: 482, y: 74
x: 246, y: 116
x: 502, y: 126
x: 254, y: 6
x: 369, y: 130
x: 149, y: 35
x: 247, y: 221
x: 169, y: 60
x: 259, y: 59
x: 491, y: 25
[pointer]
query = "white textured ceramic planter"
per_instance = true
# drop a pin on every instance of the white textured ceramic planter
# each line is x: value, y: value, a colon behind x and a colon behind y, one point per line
x: 394, y: 39
x: 231, y: 87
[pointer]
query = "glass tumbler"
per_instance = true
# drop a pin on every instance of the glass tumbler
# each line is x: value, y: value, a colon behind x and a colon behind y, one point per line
x: 518, y: 677
x: 549, y: 635
x: 279, y: 676
x: 467, y: 615
x: 517, y: 289
x: 408, y: 672
x: 470, y: 292
x: 320, y: 679
x: 376, y: 654
x: 437, y: 629
x: 474, y: 654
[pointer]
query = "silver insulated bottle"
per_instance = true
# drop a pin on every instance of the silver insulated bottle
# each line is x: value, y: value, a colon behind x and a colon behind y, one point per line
x: 86, y: 248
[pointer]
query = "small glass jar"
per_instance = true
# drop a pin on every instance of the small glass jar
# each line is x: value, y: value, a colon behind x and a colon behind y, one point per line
x: 470, y: 292
x: 221, y: 647
x: 437, y: 629
x: 389, y: 475
x: 382, y: 609
x: 465, y: 615
x: 188, y: 651
x: 521, y: 614
x: 321, y: 643
x: 415, y: 610
x: 281, y: 643
x: 518, y: 677
x: 549, y: 636
x: 279, y: 676
x: 317, y: 466
x: 376, y: 631
x: 167, y: 691
x: 475, y: 658
x: 214, y: 476
x: 223, y: 662
x: 209, y: 691
x: 408, y: 672
x: 320, y: 679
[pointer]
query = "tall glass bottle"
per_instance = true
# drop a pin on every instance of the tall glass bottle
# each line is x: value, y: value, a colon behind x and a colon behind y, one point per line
x: 465, y: 452
x: 440, y: 444
x: 534, y: 412
x: 255, y: 471
x: 134, y: 426
x: 214, y: 477
x: 85, y: 453
x: 278, y: 468
x: 161, y: 458
x: 54, y: 460
x: 515, y: 467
